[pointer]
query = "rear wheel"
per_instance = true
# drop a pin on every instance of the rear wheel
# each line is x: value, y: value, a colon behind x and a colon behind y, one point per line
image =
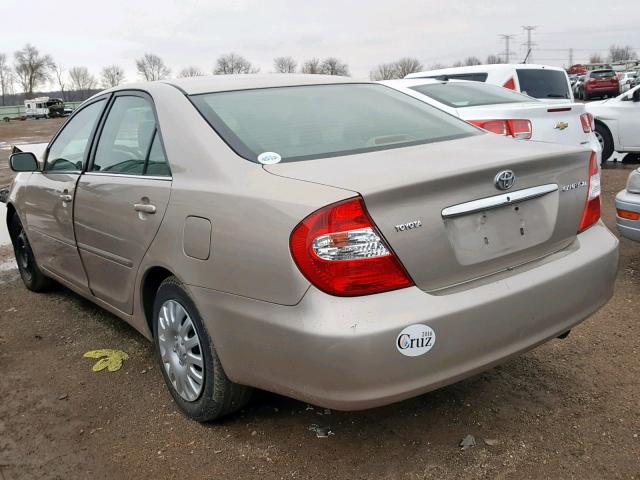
x: 606, y: 140
x: 31, y: 275
x: 190, y: 364
x: 585, y: 96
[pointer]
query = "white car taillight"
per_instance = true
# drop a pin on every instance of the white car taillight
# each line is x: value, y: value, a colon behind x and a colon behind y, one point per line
x: 351, y: 245
x: 588, y: 124
x: 591, y: 212
x: 519, y: 129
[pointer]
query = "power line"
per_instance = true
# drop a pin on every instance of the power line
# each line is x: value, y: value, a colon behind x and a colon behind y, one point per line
x: 506, y: 39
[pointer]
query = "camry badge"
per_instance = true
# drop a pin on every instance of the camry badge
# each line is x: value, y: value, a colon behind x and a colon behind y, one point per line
x: 505, y: 179
x: 561, y: 125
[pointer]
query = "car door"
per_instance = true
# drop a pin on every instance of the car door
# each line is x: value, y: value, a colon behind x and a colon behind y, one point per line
x: 121, y: 198
x: 51, y: 196
x: 629, y: 122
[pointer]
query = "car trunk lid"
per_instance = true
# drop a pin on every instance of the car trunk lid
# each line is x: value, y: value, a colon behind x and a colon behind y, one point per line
x: 408, y: 190
x: 550, y: 123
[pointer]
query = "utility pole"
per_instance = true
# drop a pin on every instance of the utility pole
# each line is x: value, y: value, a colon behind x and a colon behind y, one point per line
x: 570, y: 56
x: 506, y: 39
x: 529, y: 44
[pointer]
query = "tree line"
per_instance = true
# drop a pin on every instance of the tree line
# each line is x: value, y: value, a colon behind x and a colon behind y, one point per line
x: 31, y: 70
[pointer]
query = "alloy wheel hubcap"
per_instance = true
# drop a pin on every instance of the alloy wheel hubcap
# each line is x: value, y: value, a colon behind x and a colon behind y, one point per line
x: 180, y: 350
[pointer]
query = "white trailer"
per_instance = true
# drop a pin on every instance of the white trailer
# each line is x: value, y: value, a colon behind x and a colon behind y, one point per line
x: 44, y: 107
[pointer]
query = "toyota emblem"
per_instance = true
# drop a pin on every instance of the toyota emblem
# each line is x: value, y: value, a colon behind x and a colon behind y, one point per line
x: 505, y: 179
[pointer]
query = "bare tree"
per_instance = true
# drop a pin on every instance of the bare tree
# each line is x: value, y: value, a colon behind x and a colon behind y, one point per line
x: 112, y: 76
x: 333, y: 66
x: 595, y: 58
x: 82, y: 81
x: 621, y: 54
x: 311, y: 66
x: 32, y: 68
x: 190, y: 72
x: 233, y: 63
x: 472, y: 61
x: 6, y: 77
x: 408, y: 65
x: 384, y: 71
x: 151, y: 67
x: 285, y: 65
x: 458, y: 64
x: 59, y: 73
x: 493, y: 59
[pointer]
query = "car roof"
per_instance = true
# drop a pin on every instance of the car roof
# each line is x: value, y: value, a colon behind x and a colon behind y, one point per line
x: 485, y: 68
x: 222, y: 83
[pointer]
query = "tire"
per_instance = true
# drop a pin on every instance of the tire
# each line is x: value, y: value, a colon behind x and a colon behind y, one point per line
x: 31, y: 275
x: 203, y: 392
x: 604, y: 136
x: 585, y: 96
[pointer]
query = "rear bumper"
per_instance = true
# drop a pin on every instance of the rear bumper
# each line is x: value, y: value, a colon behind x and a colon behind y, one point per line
x: 341, y: 352
x: 631, y: 202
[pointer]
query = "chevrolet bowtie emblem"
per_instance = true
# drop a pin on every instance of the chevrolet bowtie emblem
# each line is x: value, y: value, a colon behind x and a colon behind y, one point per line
x: 561, y: 125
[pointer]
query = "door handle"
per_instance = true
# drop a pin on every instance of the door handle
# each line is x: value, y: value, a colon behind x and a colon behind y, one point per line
x: 65, y: 197
x: 144, y: 207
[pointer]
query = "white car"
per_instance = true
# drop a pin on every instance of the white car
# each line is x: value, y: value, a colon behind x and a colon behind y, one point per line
x: 505, y: 112
x: 617, y: 122
x: 627, y: 80
x: 546, y: 83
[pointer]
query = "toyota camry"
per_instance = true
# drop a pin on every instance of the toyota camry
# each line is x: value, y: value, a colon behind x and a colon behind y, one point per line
x: 331, y: 240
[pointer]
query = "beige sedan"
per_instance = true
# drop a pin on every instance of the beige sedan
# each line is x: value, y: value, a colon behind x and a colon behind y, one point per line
x: 335, y: 241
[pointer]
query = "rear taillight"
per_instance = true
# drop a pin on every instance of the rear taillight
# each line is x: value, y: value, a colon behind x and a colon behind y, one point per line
x: 628, y: 215
x: 591, y: 213
x: 520, y: 129
x: 510, y: 84
x: 588, y: 124
x: 339, y: 250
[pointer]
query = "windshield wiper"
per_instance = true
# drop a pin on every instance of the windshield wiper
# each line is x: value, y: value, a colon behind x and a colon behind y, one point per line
x: 556, y: 95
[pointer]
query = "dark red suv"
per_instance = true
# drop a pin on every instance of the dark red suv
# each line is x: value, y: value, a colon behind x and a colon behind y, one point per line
x: 600, y: 83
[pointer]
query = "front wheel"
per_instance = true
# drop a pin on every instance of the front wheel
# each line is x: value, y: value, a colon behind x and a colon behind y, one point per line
x: 605, y: 139
x: 190, y: 365
x: 31, y: 275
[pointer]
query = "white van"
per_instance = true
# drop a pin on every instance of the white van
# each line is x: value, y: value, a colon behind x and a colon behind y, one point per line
x: 44, y: 107
x: 549, y: 84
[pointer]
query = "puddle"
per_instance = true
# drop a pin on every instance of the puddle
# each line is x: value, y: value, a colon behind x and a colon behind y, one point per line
x: 4, y: 233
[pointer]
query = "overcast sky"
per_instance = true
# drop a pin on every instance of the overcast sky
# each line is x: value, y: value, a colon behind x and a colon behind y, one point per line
x: 361, y: 33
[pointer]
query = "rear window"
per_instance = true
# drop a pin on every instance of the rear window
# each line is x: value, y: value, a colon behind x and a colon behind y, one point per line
x: 473, y: 77
x: 602, y: 74
x: 470, y: 94
x: 539, y: 83
x: 308, y: 122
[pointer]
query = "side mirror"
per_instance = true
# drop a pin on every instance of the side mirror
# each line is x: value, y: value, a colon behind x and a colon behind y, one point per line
x: 636, y: 95
x: 23, y: 162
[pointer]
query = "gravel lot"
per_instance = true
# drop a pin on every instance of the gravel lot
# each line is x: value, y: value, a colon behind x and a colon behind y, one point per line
x: 569, y: 409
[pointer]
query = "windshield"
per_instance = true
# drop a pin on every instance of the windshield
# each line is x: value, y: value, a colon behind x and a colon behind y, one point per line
x: 541, y: 83
x: 470, y: 94
x: 308, y: 122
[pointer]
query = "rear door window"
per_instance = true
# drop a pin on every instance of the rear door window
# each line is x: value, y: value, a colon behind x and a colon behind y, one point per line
x: 541, y: 83
x: 126, y: 137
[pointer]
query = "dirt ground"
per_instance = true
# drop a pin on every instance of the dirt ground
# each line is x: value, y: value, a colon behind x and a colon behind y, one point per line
x: 567, y: 410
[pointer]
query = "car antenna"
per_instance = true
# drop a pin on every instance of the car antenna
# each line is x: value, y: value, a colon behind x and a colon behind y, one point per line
x: 527, y: 57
